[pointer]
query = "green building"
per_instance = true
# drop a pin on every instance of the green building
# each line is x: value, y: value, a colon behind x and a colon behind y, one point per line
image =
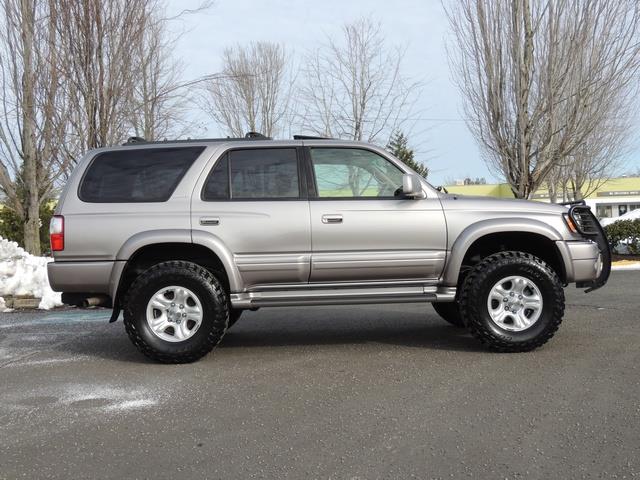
x: 613, y: 198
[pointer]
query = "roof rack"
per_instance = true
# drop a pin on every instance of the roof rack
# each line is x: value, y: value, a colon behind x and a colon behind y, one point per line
x: 310, y: 137
x: 248, y: 136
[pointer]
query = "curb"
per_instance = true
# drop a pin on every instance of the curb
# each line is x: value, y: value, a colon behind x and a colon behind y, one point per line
x: 21, y: 301
x: 625, y: 265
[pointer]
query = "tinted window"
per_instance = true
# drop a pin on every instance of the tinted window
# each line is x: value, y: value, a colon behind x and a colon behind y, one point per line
x: 141, y: 175
x: 264, y: 173
x: 217, y: 186
x: 355, y: 173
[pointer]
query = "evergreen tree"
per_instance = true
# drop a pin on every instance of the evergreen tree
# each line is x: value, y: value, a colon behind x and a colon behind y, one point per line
x: 398, y: 146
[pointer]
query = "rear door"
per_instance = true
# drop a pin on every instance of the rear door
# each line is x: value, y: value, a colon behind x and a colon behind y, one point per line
x: 361, y: 230
x: 254, y: 201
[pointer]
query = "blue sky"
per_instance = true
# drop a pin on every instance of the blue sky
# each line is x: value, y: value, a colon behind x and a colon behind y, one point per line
x: 437, y: 131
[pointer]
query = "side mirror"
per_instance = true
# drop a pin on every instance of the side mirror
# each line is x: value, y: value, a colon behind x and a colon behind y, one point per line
x: 411, y: 186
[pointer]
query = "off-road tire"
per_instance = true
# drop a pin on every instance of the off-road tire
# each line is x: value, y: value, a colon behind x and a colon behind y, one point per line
x: 234, y: 316
x: 478, y: 284
x: 449, y: 311
x: 215, y: 306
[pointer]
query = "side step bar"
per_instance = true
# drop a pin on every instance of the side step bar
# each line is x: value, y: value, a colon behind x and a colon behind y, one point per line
x: 342, y: 296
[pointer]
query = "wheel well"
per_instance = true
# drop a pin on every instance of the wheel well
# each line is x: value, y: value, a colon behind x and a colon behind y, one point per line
x: 150, y: 255
x: 533, y: 243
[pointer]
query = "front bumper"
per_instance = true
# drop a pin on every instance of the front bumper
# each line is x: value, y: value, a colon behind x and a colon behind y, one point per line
x: 587, y: 262
x: 582, y: 260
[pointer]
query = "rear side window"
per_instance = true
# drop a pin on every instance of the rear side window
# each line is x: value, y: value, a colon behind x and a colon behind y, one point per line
x: 262, y: 173
x: 141, y: 175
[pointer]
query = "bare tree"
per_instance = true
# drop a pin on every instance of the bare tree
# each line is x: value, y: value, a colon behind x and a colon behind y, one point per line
x: 543, y: 80
x: 100, y: 41
x: 355, y: 88
x: 161, y: 99
x: 31, y: 131
x: 253, y: 90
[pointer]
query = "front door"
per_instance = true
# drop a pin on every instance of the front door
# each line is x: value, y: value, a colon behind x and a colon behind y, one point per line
x: 362, y: 231
x: 254, y: 203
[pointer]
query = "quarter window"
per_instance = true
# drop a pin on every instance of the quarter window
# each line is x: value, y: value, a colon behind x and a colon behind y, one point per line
x: 217, y: 186
x: 136, y: 175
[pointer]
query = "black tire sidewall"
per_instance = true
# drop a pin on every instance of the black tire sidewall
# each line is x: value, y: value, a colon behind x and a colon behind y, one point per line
x: 532, y: 269
x: 214, y: 306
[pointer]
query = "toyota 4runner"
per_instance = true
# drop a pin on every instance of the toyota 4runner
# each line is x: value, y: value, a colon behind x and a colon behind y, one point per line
x: 182, y: 236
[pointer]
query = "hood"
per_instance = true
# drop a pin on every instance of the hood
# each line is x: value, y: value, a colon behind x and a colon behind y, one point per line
x: 502, y: 205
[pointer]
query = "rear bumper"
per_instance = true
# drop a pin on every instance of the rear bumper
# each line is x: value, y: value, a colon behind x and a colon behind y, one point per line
x: 80, y: 277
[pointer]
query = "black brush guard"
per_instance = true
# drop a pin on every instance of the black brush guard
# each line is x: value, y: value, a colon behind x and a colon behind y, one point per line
x: 589, y: 227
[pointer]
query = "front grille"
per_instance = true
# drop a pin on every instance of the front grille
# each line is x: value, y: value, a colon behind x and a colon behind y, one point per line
x: 585, y: 221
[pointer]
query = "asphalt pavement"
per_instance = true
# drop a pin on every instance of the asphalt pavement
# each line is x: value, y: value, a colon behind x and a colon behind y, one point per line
x: 326, y: 392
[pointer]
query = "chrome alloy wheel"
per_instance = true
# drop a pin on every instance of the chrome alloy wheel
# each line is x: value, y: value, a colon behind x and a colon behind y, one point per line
x: 174, y: 314
x: 515, y: 303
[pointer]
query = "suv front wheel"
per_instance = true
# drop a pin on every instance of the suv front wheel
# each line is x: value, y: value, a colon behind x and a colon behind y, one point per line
x: 176, y: 312
x: 512, y: 301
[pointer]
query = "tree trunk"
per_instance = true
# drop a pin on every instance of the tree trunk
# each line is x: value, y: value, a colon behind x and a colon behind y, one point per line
x: 32, y: 194
x: 553, y: 192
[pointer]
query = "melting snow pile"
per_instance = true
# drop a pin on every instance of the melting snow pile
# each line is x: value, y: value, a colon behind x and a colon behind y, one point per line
x: 24, y: 274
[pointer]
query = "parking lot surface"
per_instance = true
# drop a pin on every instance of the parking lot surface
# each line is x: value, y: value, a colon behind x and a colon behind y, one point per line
x: 328, y: 392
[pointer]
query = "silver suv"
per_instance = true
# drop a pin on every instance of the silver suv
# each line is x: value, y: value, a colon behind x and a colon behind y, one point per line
x: 183, y: 236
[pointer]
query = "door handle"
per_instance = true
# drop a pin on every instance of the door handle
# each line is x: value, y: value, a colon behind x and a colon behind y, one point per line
x: 332, y: 218
x: 209, y: 221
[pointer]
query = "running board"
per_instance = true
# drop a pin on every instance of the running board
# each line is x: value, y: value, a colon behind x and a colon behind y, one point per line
x: 342, y: 296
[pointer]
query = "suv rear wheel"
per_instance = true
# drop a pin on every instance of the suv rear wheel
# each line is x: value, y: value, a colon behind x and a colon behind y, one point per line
x: 512, y: 302
x: 176, y: 312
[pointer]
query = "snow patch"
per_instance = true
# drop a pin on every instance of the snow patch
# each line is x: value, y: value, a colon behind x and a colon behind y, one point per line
x: 631, y: 215
x: 130, y: 405
x: 24, y: 274
x: 3, y: 306
x: 114, y: 399
x: 46, y: 361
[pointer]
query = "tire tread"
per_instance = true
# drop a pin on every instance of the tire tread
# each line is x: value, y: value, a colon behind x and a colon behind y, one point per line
x: 215, y: 335
x: 478, y: 276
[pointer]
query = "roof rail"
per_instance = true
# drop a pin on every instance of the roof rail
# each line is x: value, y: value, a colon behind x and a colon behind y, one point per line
x: 248, y: 136
x: 310, y: 137
x: 256, y: 136
x: 132, y: 140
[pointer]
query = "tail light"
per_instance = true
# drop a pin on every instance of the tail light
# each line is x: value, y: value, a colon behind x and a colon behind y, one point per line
x: 56, y: 233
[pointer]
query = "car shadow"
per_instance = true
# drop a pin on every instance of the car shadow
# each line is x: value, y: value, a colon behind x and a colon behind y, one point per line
x: 439, y: 337
x: 273, y: 331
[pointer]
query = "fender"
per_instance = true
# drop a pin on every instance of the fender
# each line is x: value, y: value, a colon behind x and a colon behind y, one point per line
x: 140, y: 240
x: 217, y: 246
x: 486, y: 227
x: 198, y: 237
x: 131, y: 246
